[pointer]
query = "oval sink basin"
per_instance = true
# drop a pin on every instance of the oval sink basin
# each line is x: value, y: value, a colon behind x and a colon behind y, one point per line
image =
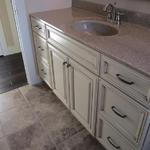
x: 94, y: 28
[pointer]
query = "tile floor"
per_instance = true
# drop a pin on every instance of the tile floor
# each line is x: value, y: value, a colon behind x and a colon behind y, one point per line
x: 33, y: 118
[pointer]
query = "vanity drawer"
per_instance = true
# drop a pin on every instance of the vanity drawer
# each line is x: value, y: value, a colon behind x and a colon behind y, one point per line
x: 84, y: 55
x: 111, y: 138
x: 38, y: 27
x: 131, y: 82
x: 41, y: 47
x: 44, y: 72
x: 122, y: 111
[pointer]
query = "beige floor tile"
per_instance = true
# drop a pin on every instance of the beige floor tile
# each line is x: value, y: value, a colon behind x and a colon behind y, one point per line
x: 81, y: 141
x: 10, y: 100
x: 30, y: 138
x: 47, y: 105
x: 31, y: 92
x: 20, y: 113
x: 61, y: 126
x: 16, y: 119
x: 3, y: 144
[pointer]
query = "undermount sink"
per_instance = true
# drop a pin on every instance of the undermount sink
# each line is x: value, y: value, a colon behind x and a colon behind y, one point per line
x: 92, y: 27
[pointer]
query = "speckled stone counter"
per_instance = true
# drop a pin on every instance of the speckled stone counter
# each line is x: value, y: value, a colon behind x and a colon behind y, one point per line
x: 131, y: 46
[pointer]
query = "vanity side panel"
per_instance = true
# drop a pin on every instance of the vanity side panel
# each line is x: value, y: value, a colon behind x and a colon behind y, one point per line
x: 146, y: 145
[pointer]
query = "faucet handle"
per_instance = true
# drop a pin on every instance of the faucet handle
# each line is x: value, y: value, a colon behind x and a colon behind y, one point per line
x: 120, y: 13
x: 108, y: 7
x: 105, y: 8
x: 118, y: 17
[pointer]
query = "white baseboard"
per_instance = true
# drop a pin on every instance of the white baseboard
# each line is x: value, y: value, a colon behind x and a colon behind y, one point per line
x: 11, y: 50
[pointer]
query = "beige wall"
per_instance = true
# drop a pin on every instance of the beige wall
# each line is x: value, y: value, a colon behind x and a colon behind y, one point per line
x: 42, y: 5
x: 6, y: 23
x: 134, y: 5
x: 9, y: 28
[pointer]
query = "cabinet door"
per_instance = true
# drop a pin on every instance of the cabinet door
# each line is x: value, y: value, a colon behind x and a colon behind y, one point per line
x: 60, y: 75
x: 83, y: 94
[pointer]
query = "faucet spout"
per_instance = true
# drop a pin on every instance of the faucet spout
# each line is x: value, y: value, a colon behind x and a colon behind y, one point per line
x: 112, y: 14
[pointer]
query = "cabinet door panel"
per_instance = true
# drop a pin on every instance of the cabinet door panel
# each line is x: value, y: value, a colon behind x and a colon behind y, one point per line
x: 83, y: 94
x: 82, y: 101
x: 60, y: 71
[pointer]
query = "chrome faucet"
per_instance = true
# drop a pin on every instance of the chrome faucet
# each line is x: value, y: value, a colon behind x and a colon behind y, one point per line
x: 113, y: 15
x: 110, y: 9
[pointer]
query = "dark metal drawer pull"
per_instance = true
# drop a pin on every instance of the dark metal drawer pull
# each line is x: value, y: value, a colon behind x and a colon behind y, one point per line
x: 64, y: 63
x: 120, y: 77
x: 39, y: 47
x: 114, y: 109
x: 38, y: 27
x: 111, y: 142
x: 68, y: 65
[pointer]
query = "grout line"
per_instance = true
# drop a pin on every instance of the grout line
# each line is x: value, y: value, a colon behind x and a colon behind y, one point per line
x: 13, y: 107
x: 41, y: 123
x: 39, y: 120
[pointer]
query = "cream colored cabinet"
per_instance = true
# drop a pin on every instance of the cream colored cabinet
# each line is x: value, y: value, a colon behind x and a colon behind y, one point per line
x: 84, y: 55
x: 60, y: 74
x: 122, y: 111
x: 44, y: 72
x: 41, y: 48
x: 110, y: 99
x: 129, y: 81
x: 43, y: 60
x: 70, y: 78
x: 83, y: 94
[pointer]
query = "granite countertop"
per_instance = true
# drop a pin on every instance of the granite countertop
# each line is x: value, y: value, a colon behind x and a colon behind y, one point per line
x: 131, y: 46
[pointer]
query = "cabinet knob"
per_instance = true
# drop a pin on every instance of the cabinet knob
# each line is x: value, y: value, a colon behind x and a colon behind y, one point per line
x: 68, y: 65
x: 64, y: 63
x: 38, y: 27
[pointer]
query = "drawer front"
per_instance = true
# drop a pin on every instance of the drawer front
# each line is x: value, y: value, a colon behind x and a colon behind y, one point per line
x: 131, y: 82
x: 41, y: 47
x: 38, y: 27
x: 79, y: 52
x: 44, y: 72
x: 111, y: 138
x: 122, y: 110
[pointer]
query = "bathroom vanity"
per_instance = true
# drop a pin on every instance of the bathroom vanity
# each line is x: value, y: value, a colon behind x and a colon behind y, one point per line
x: 103, y: 80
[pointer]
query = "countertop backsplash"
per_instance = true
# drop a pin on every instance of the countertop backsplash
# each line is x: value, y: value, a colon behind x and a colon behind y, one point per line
x: 136, y: 17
